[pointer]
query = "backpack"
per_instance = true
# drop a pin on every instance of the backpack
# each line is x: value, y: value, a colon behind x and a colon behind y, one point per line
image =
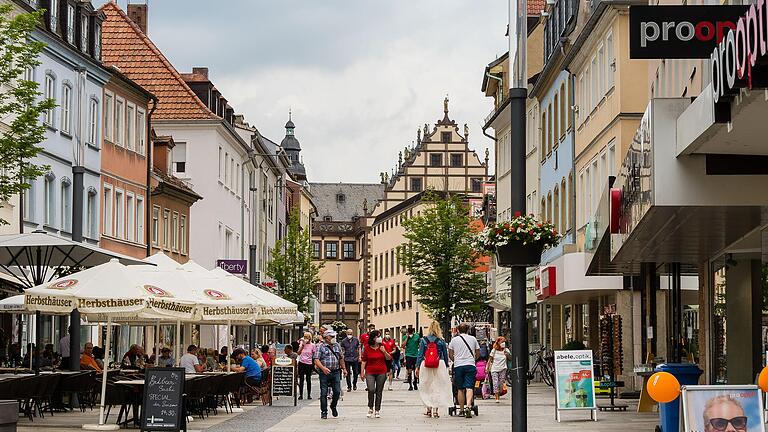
x: 431, y: 356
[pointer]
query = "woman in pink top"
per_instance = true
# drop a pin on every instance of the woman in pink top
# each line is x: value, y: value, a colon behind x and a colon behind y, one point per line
x: 306, y: 351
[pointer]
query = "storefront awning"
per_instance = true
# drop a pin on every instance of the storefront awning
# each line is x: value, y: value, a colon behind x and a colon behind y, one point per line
x: 671, y: 210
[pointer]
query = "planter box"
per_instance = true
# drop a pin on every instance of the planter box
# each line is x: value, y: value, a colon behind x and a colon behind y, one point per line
x: 516, y: 254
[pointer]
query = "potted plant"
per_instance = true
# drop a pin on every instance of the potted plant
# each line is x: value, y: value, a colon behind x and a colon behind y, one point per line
x: 518, y: 242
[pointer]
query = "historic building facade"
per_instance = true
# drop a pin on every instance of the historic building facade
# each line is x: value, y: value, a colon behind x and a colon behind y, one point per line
x: 441, y: 161
x: 341, y: 239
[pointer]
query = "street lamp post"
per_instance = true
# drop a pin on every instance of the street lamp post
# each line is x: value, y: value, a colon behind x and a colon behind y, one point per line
x: 338, y: 295
x: 518, y: 93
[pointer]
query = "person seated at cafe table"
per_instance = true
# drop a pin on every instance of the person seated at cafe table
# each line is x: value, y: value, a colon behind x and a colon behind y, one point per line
x: 257, y: 356
x: 165, y: 359
x: 248, y: 366
x: 49, y: 358
x: 211, y: 361
x: 87, y: 361
x: 223, y: 355
x: 189, y: 361
x: 133, y: 359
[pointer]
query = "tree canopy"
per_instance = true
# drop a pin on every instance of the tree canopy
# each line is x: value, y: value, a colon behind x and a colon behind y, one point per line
x: 292, y: 266
x: 441, y: 260
x: 21, y: 105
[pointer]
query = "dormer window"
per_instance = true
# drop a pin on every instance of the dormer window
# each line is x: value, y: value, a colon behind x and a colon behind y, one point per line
x: 71, y: 24
x: 341, y: 198
x: 53, y: 14
x: 97, y: 41
x: 84, y: 33
x: 327, y: 218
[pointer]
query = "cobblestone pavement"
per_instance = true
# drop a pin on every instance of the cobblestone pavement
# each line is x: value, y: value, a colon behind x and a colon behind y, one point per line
x: 402, y: 411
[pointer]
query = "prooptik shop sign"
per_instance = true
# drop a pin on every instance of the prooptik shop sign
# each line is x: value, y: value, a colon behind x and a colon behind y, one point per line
x: 683, y: 32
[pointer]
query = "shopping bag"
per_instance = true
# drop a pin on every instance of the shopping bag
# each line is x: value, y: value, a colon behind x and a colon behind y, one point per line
x: 503, y: 389
x: 486, y: 390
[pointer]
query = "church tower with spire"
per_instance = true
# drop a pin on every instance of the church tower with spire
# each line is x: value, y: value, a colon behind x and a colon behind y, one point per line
x: 292, y: 147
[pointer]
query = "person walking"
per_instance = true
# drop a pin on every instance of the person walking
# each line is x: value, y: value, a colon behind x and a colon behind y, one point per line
x: 410, y: 344
x: 498, y: 358
x: 374, y: 371
x: 432, y: 371
x: 464, y: 351
x: 364, y: 342
x: 351, y: 347
x: 390, y: 345
x: 329, y: 360
x: 306, y: 353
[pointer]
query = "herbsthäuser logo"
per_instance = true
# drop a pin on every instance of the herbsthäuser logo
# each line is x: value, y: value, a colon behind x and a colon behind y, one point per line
x: 63, y: 284
x: 216, y: 295
x: 157, y: 291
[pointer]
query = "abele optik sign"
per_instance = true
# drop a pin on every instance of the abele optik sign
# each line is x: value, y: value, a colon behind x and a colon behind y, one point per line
x: 734, y: 38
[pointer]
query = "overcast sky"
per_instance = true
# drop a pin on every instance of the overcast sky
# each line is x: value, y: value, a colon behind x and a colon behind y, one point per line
x: 360, y: 75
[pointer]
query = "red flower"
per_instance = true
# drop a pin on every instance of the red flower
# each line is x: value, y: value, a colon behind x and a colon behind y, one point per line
x: 517, y: 214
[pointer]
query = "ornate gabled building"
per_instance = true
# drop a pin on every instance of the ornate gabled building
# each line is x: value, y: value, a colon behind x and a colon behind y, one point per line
x: 441, y: 160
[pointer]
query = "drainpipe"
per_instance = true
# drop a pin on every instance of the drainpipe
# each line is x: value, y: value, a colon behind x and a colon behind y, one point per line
x: 500, y: 80
x: 147, y: 199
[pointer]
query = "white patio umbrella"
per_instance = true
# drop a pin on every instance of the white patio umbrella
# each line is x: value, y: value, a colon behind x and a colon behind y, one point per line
x: 216, y: 303
x: 273, y: 307
x: 108, y: 290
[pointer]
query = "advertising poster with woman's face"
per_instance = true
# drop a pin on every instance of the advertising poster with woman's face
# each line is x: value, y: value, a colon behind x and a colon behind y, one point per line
x: 722, y: 409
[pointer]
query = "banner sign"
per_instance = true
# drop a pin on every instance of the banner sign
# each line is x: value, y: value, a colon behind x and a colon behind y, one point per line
x: 722, y: 408
x: 233, y: 266
x: 574, y: 386
x: 679, y: 32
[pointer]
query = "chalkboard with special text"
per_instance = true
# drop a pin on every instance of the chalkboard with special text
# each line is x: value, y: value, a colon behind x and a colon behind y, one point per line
x: 163, y: 403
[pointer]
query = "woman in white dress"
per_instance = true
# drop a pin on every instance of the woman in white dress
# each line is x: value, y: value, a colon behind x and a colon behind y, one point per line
x: 432, y: 372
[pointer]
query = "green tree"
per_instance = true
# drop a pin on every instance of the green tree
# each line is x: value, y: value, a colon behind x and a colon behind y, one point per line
x: 441, y: 260
x: 21, y: 106
x: 292, y: 266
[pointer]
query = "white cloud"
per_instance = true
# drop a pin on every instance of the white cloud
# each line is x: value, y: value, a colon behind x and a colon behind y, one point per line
x: 360, y: 77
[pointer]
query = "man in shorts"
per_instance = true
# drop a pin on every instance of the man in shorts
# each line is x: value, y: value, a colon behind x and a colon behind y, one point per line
x: 464, y: 351
x: 410, y: 344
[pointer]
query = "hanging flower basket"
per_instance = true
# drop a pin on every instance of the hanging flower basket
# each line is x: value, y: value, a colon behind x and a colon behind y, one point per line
x: 518, y: 242
x: 515, y: 253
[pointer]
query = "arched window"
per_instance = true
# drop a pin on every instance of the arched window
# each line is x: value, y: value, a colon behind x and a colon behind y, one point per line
x: 543, y: 209
x: 571, y: 201
x: 556, y: 212
x: 563, y: 111
x: 549, y: 128
x: 563, y: 206
x: 543, y: 140
x: 556, y: 121
x: 549, y: 207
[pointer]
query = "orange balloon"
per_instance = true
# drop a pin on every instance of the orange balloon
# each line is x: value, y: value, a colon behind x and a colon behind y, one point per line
x: 762, y: 379
x: 663, y: 387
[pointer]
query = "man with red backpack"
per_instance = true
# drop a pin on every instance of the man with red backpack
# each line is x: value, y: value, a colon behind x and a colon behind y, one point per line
x: 432, y: 371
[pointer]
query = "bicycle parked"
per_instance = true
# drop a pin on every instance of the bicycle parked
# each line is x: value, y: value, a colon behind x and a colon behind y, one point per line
x: 544, y: 366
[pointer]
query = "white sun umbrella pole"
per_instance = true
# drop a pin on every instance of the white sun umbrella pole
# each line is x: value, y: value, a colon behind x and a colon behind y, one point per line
x: 177, y: 341
x: 102, y: 425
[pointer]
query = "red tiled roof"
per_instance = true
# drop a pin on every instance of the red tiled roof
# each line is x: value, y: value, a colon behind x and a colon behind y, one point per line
x: 125, y: 46
x: 535, y: 7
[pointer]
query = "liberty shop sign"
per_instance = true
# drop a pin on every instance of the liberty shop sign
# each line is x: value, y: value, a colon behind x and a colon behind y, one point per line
x: 233, y: 266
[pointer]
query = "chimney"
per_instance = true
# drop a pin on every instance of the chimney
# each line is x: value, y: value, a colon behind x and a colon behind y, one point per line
x: 138, y: 14
x: 200, y: 71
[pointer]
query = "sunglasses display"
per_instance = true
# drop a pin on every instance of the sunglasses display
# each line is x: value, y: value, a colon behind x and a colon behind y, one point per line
x: 720, y: 424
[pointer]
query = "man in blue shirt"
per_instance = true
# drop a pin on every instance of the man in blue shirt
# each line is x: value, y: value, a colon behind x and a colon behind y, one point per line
x: 247, y: 365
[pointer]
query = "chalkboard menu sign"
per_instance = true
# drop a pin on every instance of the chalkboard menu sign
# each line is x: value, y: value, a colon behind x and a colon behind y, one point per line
x: 162, y: 409
x: 284, y: 381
